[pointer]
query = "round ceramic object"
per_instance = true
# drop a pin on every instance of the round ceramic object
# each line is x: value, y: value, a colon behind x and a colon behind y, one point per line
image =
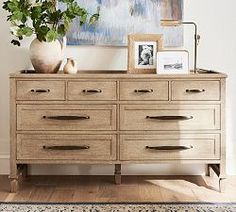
x: 46, y: 57
x: 70, y: 66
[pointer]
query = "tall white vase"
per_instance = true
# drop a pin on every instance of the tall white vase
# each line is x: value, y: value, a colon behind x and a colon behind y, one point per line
x: 46, y: 57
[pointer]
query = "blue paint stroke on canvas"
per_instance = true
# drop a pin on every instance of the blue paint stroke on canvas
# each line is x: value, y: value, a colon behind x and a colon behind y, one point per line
x: 118, y: 18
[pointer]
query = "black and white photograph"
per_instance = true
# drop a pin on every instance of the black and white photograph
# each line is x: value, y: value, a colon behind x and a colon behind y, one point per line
x: 172, y: 62
x: 174, y: 65
x: 145, y: 55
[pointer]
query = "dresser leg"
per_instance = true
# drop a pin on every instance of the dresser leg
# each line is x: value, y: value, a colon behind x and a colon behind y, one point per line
x: 207, y: 170
x: 25, y: 172
x: 117, y: 174
x: 222, y: 184
x: 14, y: 183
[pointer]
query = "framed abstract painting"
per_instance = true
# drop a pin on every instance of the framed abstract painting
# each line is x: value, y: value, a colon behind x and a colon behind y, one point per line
x: 119, y: 18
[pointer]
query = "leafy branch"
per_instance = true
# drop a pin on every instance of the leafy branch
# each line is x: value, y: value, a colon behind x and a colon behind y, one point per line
x: 42, y: 18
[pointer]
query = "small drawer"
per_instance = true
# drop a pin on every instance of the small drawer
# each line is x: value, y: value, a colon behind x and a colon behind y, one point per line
x: 170, y: 117
x: 89, y: 90
x: 172, y: 147
x: 67, y: 117
x: 195, y: 90
x: 66, y: 147
x: 145, y: 90
x: 40, y: 90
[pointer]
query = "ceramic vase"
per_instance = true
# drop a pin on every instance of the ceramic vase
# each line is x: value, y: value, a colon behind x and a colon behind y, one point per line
x: 46, y: 57
x: 70, y: 66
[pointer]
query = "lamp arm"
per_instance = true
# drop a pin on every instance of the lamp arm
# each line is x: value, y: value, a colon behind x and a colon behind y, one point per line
x: 196, y: 41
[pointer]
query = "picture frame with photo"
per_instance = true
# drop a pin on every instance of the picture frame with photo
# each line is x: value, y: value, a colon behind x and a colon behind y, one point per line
x: 172, y: 62
x: 142, y: 52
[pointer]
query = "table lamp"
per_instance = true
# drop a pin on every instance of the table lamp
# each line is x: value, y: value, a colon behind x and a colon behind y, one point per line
x: 172, y: 23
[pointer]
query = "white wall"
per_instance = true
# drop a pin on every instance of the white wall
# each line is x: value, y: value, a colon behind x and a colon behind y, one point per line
x: 217, y: 50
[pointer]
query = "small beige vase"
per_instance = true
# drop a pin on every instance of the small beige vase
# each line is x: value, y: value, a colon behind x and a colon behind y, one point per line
x: 46, y: 57
x: 70, y: 66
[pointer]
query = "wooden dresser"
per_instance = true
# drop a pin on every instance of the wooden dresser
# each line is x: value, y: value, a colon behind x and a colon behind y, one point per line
x: 117, y: 118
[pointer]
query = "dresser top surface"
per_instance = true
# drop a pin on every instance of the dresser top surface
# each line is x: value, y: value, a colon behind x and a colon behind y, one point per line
x: 115, y: 74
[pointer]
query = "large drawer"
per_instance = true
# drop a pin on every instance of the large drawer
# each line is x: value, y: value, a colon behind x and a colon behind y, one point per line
x: 144, y: 90
x: 66, y: 117
x: 172, y: 147
x: 92, y: 90
x: 169, y: 117
x: 195, y: 90
x: 40, y: 90
x: 63, y: 147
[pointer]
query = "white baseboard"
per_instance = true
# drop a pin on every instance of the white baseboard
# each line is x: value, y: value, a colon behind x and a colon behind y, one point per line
x: 4, y: 164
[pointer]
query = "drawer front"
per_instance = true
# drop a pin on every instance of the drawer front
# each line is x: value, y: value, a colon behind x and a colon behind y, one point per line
x: 70, y: 117
x: 154, y: 90
x: 40, y: 90
x: 153, y: 147
x: 170, y: 117
x: 63, y: 147
x: 196, y: 90
x: 88, y: 90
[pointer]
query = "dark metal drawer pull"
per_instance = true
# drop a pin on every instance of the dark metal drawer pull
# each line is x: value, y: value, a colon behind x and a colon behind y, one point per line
x: 92, y: 91
x: 40, y: 90
x: 66, y: 147
x: 195, y: 90
x: 170, y: 118
x: 67, y: 117
x: 144, y: 91
x: 169, y: 148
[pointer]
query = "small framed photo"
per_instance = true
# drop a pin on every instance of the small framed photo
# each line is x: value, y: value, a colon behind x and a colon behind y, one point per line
x: 142, y: 53
x: 172, y: 62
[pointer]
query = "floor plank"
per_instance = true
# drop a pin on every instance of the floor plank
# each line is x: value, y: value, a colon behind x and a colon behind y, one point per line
x: 132, y: 189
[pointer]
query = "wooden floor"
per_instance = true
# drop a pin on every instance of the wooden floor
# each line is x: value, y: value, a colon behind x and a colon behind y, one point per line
x: 132, y: 189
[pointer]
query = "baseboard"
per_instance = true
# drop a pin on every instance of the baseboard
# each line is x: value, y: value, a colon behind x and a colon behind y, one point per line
x: 4, y: 164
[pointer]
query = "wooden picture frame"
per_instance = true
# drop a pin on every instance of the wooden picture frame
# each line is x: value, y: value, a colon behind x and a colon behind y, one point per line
x: 142, y: 50
x: 172, y: 62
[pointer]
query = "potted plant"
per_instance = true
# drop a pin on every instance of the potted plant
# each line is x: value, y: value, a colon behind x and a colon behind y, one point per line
x: 49, y: 24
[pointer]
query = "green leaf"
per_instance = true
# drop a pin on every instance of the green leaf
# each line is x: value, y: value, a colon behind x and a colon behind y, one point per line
x: 24, y: 31
x: 83, y: 19
x: 15, y: 42
x: 36, y: 12
x: 12, y: 6
x: 61, y: 30
x: 94, y: 18
x: 41, y: 32
x: 17, y: 16
x: 51, y: 36
x: 66, y: 21
x: 66, y: 1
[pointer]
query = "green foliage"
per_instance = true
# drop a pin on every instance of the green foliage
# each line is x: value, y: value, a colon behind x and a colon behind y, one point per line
x: 42, y: 18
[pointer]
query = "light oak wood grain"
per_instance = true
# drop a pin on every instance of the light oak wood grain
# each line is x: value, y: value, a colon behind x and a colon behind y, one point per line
x: 133, y: 189
x: 145, y: 90
x: 79, y: 90
x: 100, y: 147
x: 209, y: 90
x: 31, y: 117
x: 50, y: 90
x: 202, y: 146
x: 117, y: 74
x: 204, y: 117
x: 117, y: 128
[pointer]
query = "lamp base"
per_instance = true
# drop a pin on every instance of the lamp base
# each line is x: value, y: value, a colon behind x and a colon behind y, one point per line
x: 206, y: 71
